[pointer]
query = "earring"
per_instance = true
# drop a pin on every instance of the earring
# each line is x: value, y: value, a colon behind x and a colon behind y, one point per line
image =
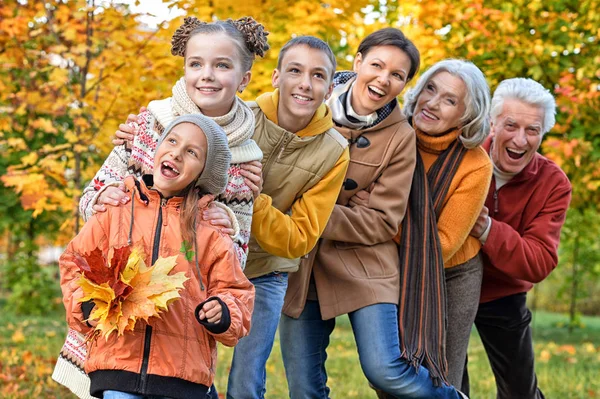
x: 241, y: 89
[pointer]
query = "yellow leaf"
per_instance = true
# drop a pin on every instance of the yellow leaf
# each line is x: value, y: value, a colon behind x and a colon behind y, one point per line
x: 18, y: 336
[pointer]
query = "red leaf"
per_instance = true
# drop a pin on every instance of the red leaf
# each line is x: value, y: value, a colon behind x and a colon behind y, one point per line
x: 93, y: 265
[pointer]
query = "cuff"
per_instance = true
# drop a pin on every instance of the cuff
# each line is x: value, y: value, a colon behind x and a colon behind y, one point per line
x: 222, y: 325
x: 234, y: 222
x: 86, y: 309
x: 485, y: 234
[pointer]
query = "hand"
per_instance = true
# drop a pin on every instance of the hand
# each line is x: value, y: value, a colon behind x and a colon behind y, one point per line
x: 481, y: 224
x: 126, y: 132
x: 218, y: 217
x: 113, y: 196
x: 361, y: 198
x: 211, y: 311
x: 252, y: 171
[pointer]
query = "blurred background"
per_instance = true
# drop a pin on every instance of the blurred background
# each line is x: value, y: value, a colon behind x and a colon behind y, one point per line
x: 71, y: 71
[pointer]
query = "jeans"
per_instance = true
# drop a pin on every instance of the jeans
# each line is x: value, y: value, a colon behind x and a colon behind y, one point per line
x: 125, y: 395
x: 247, y: 378
x: 503, y: 325
x: 304, y: 342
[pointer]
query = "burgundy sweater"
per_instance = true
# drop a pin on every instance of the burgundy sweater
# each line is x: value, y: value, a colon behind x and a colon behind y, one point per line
x: 527, y: 215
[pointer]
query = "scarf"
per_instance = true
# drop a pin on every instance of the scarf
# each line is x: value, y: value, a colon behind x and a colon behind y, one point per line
x: 238, y: 123
x: 341, y: 107
x: 422, y: 304
x: 320, y: 122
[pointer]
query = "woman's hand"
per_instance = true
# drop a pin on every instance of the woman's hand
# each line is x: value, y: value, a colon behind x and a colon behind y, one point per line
x: 361, y: 198
x: 218, y: 217
x: 481, y: 224
x: 252, y: 171
x: 211, y: 311
x: 113, y: 196
x: 126, y: 132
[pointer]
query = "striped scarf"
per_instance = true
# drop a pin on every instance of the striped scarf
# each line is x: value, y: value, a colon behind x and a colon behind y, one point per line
x: 422, y: 304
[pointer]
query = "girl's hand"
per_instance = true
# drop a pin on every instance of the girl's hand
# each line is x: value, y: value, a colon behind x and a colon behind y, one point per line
x: 252, y: 171
x: 113, y: 196
x: 211, y: 311
x: 361, y: 198
x: 218, y: 217
x: 126, y: 132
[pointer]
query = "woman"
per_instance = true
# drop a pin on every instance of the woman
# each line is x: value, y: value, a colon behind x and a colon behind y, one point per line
x: 354, y: 268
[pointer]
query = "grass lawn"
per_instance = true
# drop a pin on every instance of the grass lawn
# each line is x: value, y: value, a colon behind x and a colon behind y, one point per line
x: 567, y: 365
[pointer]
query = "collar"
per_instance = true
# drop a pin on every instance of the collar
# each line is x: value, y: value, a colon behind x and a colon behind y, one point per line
x: 528, y: 171
x: 436, y: 144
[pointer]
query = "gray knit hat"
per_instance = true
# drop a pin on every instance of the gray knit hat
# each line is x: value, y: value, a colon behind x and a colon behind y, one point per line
x: 213, y: 178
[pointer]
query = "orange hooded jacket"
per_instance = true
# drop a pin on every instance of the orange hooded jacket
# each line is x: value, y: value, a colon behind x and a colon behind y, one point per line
x: 173, y: 355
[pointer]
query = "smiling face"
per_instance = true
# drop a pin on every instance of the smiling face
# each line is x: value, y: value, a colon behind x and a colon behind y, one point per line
x: 440, y: 105
x: 179, y: 159
x: 304, y: 81
x: 381, y: 76
x: 517, y: 135
x: 213, y: 72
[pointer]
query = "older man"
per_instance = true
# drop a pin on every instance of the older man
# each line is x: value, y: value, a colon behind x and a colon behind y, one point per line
x: 519, y: 228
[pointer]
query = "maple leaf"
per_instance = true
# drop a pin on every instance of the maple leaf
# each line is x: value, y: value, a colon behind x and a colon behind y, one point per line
x: 129, y: 290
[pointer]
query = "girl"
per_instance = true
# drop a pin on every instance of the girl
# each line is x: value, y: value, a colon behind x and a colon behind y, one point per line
x: 171, y: 355
x: 218, y: 57
x: 354, y: 269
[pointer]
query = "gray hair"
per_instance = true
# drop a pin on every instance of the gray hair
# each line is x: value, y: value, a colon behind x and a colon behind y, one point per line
x: 476, y: 118
x: 528, y: 91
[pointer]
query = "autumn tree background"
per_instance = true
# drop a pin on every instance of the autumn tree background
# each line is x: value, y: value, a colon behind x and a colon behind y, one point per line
x: 72, y: 70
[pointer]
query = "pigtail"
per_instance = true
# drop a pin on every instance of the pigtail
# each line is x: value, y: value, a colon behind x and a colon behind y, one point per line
x: 183, y: 34
x: 254, y: 34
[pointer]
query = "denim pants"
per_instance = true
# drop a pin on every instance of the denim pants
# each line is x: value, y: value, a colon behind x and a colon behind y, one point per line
x: 304, y: 342
x: 503, y: 325
x: 247, y: 378
x: 126, y: 395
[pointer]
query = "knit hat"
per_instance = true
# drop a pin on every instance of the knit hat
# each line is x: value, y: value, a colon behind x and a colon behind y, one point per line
x: 214, y: 176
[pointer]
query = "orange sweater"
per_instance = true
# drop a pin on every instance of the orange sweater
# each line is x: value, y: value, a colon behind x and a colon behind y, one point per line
x: 464, y: 200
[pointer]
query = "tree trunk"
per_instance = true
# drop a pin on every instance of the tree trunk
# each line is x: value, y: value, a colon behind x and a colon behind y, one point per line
x: 574, y: 284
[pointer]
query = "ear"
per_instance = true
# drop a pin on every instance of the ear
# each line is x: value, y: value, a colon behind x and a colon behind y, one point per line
x: 329, y: 91
x: 357, y: 62
x: 275, y: 78
x: 245, y: 80
x: 492, y: 129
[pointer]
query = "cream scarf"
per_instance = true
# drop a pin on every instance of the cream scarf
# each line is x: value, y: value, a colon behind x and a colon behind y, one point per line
x: 238, y: 123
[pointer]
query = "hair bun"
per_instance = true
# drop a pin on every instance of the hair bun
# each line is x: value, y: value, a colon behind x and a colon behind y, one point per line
x: 182, y: 35
x: 254, y: 34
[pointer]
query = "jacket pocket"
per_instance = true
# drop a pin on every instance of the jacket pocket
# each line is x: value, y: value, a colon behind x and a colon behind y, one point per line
x: 369, y: 262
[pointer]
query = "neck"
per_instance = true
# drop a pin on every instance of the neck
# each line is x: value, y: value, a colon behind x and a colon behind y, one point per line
x: 356, y: 107
x: 290, y: 123
x: 215, y: 113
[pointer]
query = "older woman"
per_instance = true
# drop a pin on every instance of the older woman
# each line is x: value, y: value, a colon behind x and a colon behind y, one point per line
x: 354, y: 268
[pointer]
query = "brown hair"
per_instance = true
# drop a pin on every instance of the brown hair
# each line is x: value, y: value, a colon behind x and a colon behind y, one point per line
x: 393, y: 37
x: 310, y: 42
x: 189, y: 210
x: 249, y: 36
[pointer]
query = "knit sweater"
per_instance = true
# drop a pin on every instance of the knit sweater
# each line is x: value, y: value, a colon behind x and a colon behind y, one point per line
x: 464, y: 200
x: 139, y: 160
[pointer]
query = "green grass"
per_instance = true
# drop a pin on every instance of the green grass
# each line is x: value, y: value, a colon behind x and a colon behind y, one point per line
x: 567, y: 365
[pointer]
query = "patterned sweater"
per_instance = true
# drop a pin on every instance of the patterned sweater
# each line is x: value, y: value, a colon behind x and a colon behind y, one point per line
x: 139, y: 160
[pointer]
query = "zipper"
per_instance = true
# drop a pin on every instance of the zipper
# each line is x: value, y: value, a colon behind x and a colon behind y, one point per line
x: 495, y: 202
x: 283, y: 143
x: 148, y: 332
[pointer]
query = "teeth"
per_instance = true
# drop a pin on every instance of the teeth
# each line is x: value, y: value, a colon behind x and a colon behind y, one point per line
x: 516, y: 151
x: 301, y: 98
x: 429, y: 114
x: 171, y: 166
x: 207, y: 89
x: 377, y: 90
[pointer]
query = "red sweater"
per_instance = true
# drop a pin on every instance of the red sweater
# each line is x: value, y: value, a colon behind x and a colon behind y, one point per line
x: 527, y: 215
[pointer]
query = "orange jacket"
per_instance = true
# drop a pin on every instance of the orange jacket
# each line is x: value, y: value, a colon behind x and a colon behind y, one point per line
x: 172, y: 355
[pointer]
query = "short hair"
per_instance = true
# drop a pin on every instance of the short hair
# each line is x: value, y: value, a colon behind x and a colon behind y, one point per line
x: 528, y: 91
x: 476, y: 119
x: 392, y: 37
x: 311, y: 42
x: 248, y: 35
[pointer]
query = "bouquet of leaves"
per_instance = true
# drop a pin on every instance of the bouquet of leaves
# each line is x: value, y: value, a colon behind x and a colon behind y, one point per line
x: 126, y: 290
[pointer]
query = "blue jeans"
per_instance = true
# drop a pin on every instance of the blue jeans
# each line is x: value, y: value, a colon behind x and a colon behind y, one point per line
x: 304, y: 342
x: 247, y: 378
x: 125, y: 395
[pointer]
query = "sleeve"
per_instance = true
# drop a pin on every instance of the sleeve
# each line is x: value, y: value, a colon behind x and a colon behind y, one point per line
x: 462, y: 209
x: 91, y: 236
x: 534, y: 254
x: 295, y: 235
x: 378, y: 222
x: 227, y: 283
x: 238, y: 198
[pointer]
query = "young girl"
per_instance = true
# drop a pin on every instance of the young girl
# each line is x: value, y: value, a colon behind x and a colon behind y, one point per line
x: 217, y: 61
x: 171, y: 355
